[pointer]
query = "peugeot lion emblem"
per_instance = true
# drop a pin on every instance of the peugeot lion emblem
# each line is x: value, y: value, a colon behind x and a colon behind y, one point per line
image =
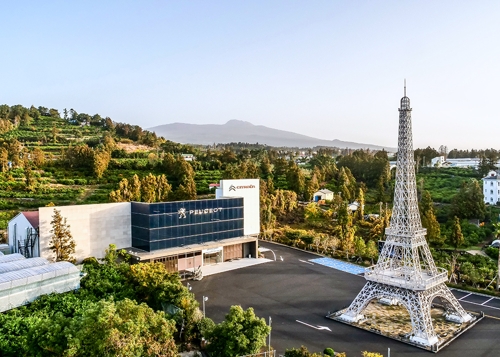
x: 182, y: 213
x: 232, y: 188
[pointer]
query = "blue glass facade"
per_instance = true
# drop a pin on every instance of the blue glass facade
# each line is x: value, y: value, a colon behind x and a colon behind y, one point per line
x: 176, y: 224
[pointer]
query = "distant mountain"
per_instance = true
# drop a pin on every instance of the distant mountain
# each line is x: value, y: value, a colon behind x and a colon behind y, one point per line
x: 245, y: 132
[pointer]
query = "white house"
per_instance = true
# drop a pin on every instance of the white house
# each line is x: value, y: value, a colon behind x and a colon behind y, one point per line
x: 491, y: 187
x: 23, y: 233
x: 323, y: 194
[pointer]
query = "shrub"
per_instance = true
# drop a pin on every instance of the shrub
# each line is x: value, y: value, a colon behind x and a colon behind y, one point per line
x: 329, y: 351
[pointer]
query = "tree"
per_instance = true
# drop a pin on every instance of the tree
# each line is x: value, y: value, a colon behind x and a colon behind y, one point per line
x: 359, y: 247
x: 429, y: 220
x: 312, y: 186
x: 497, y: 234
x: 163, y: 188
x: 456, y: 237
x: 371, y: 250
x: 295, y: 178
x: 241, y: 333
x: 30, y: 180
x: 148, y: 188
x: 469, y: 201
x: 61, y: 242
x: 38, y: 157
x: 361, y: 200
x: 106, y: 329
x: 100, y: 162
x: 187, y: 189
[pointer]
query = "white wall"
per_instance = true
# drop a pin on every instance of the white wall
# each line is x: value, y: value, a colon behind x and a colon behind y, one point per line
x: 94, y: 228
x: 17, y: 231
x: 250, y: 191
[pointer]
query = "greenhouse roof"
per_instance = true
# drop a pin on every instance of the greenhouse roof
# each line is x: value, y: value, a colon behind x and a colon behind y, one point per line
x: 37, y: 273
x: 22, y: 264
x: 11, y: 257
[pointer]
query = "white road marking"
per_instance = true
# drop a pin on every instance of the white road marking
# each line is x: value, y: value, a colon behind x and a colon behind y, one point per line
x: 315, y: 327
x: 487, y: 301
x: 474, y: 303
x: 303, y: 261
x: 463, y: 297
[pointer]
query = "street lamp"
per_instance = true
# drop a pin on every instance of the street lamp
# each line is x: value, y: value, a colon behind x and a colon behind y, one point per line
x: 270, y: 335
x: 205, y: 298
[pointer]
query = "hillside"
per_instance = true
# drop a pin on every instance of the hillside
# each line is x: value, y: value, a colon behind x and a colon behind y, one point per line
x: 245, y: 132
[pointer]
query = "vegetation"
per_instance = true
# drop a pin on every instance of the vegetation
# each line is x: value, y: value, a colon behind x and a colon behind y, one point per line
x: 125, y: 310
x: 61, y: 242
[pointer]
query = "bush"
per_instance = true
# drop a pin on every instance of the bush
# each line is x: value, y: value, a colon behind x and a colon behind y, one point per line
x: 329, y: 351
x: 492, y: 252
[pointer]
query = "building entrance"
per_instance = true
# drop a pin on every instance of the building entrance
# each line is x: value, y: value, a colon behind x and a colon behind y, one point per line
x: 212, y: 258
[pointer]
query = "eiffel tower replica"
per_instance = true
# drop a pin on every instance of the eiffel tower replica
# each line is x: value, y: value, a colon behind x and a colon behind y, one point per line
x: 405, y: 272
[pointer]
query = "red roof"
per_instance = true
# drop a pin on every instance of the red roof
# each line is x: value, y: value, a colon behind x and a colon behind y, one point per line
x: 32, y: 217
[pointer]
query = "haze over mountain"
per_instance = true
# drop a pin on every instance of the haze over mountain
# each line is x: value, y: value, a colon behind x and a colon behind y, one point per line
x: 245, y: 132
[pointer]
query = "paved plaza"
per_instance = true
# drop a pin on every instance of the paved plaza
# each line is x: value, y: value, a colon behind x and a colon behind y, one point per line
x: 298, y: 292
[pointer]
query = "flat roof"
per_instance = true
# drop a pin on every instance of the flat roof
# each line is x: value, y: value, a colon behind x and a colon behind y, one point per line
x: 144, y: 255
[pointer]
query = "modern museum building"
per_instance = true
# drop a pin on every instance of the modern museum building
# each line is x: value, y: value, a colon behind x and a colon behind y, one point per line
x: 183, y: 234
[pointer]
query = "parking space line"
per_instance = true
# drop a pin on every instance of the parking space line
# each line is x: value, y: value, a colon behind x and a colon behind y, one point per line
x: 475, y: 303
x: 463, y: 297
x: 487, y: 301
x: 303, y: 261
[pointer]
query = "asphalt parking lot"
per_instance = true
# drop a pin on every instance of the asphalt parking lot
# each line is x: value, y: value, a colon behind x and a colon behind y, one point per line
x: 298, y: 293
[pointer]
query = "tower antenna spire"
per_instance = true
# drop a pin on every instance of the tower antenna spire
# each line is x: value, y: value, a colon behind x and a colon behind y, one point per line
x: 405, y: 87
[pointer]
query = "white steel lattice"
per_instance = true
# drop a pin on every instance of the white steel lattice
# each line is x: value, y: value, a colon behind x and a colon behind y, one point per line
x: 405, y: 270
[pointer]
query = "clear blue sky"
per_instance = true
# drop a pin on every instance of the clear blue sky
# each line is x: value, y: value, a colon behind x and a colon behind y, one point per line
x: 328, y: 69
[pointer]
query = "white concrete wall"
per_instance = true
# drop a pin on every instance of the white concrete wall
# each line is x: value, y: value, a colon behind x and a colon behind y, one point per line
x: 17, y: 231
x: 94, y: 228
x: 250, y: 191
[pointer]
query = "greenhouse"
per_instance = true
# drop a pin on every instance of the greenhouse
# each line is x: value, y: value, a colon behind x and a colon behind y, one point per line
x: 11, y: 257
x: 22, y: 264
x: 20, y: 287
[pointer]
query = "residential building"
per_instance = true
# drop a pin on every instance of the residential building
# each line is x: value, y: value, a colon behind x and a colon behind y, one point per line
x: 491, y: 187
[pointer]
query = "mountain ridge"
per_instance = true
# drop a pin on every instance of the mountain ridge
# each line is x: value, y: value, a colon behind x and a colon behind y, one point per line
x: 243, y: 131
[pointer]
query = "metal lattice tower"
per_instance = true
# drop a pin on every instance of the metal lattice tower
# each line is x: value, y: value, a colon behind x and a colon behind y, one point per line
x: 405, y: 272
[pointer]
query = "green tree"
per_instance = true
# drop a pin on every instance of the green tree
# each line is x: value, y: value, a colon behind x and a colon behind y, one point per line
x: 497, y: 234
x: 469, y: 201
x: 429, y: 220
x: 30, y: 180
x: 360, y: 213
x: 371, y: 250
x: 359, y: 247
x: 106, y: 329
x: 295, y: 178
x: 163, y: 188
x: 38, y: 157
x: 241, y: 333
x: 312, y: 187
x: 148, y: 188
x: 61, y: 241
x: 456, y: 237
x: 100, y: 162
x: 187, y: 189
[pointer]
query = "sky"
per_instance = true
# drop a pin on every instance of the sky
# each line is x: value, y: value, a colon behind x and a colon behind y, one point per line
x: 327, y: 69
